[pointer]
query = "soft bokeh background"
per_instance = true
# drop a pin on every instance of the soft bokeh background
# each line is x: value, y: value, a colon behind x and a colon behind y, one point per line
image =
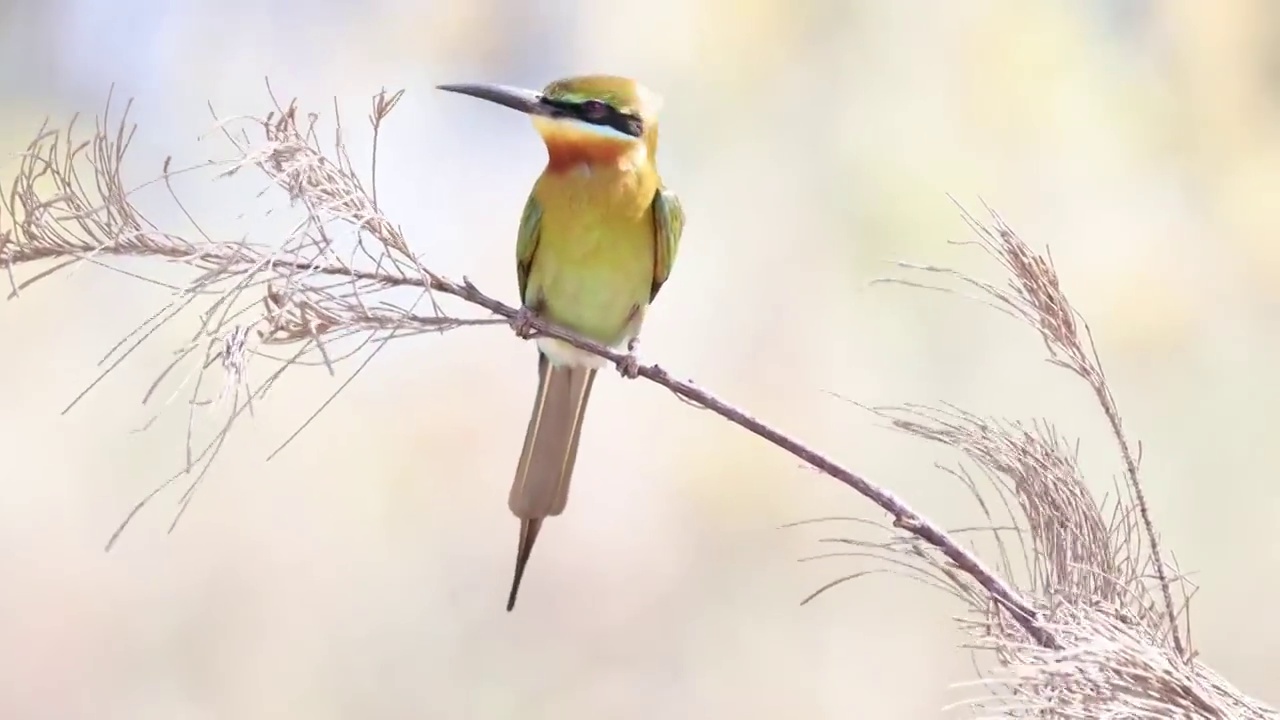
x: 361, y: 573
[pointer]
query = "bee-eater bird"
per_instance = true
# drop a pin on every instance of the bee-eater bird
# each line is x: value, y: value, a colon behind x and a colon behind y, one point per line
x: 597, y: 240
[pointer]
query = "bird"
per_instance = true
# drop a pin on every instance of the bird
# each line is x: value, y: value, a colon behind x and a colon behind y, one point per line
x: 597, y: 240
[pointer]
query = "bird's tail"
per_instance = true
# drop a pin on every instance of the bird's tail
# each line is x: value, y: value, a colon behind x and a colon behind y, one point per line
x: 541, y: 485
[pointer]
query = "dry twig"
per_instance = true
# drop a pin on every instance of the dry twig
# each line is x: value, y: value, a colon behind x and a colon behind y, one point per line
x: 1084, y: 627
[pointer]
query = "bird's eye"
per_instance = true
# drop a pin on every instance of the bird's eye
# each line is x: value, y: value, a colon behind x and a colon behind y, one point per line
x: 595, y: 110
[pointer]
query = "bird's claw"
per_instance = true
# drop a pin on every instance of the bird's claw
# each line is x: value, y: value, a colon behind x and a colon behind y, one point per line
x: 629, y: 366
x: 522, y: 324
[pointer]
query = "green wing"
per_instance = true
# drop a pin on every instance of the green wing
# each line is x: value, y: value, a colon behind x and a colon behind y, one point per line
x: 527, y: 242
x: 668, y: 223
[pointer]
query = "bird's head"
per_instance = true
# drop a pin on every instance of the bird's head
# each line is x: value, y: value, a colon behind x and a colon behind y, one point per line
x: 600, y: 112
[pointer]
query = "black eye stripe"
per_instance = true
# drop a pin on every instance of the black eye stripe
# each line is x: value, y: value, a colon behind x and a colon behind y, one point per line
x: 598, y: 113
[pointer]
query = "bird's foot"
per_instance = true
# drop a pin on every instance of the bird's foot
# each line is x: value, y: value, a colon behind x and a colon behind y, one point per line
x: 522, y: 324
x: 629, y: 366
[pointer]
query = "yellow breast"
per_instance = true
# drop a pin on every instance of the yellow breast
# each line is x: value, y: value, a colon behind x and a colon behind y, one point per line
x: 593, y: 268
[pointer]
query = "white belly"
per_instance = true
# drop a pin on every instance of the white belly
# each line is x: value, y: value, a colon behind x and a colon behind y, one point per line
x: 560, y: 352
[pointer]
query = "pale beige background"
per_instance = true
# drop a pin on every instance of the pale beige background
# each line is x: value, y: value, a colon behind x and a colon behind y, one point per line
x: 361, y: 574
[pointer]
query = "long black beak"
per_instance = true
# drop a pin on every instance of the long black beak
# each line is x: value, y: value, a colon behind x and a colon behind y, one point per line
x: 526, y: 101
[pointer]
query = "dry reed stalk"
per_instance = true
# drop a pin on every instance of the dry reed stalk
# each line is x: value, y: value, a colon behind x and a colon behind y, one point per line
x: 1095, y: 632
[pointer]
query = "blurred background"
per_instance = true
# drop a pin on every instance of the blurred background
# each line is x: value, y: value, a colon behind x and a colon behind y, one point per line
x: 361, y: 573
